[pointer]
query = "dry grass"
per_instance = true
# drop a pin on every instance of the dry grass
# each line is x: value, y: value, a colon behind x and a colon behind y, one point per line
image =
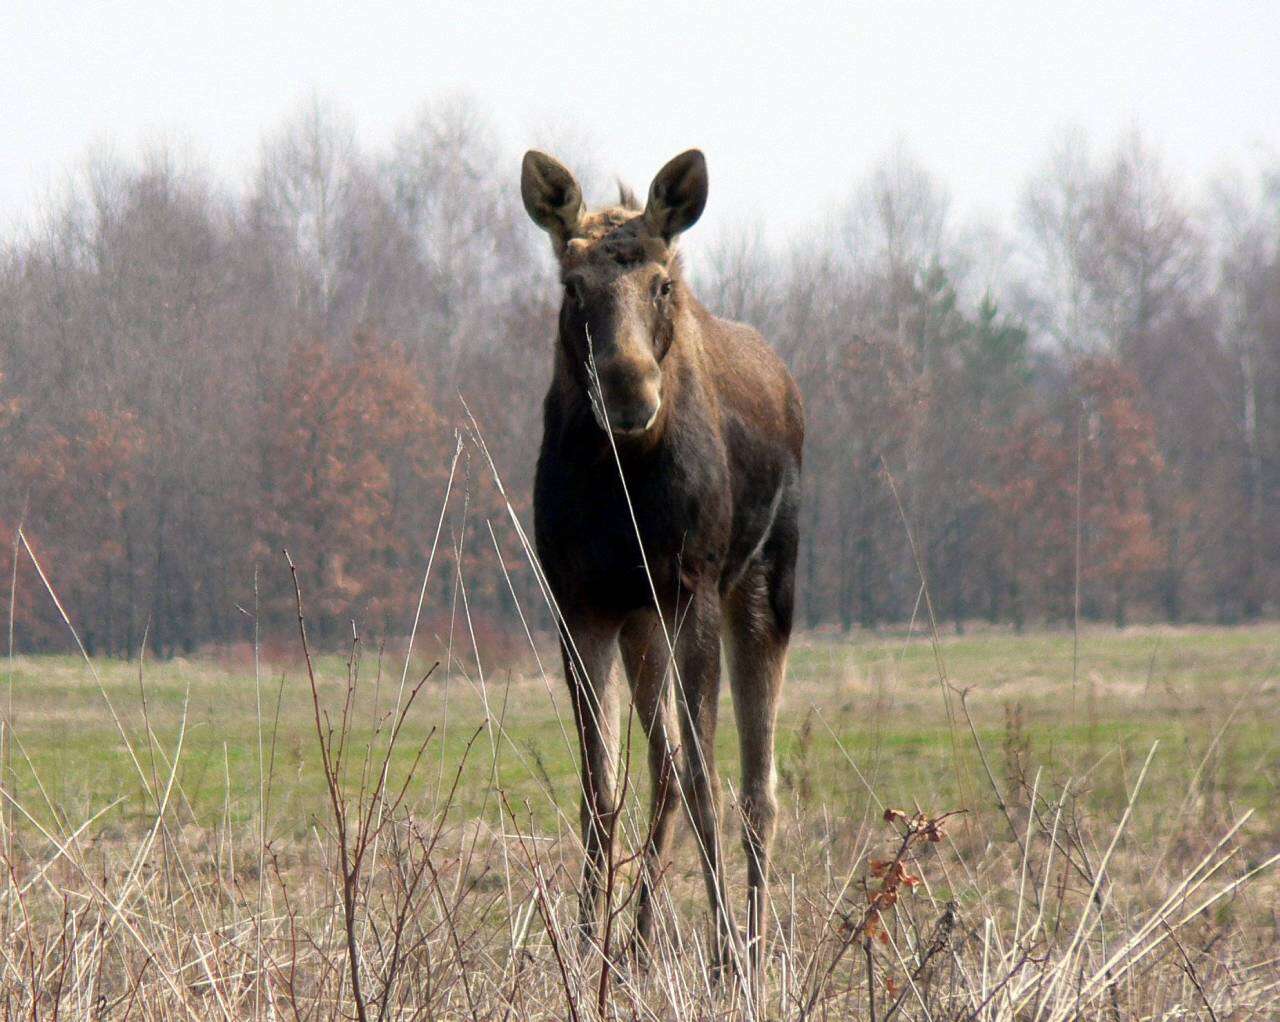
x: 1049, y: 898
x: 336, y: 838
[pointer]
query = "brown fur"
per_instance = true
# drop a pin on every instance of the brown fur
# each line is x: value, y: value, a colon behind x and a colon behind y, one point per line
x: 707, y: 429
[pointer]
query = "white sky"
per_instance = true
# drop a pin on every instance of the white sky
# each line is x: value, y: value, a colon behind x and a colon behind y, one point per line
x: 792, y: 102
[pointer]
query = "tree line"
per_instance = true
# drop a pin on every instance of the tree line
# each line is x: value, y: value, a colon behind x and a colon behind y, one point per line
x: 1078, y: 412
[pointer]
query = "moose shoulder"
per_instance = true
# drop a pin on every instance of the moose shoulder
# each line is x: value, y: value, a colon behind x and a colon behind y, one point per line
x: 665, y: 506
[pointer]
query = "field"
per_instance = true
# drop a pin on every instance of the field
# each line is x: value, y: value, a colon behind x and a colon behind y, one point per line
x: 173, y: 847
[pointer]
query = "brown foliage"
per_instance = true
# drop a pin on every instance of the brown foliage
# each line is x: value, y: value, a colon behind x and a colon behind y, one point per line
x: 1088, y: 462
x: 354, y: 450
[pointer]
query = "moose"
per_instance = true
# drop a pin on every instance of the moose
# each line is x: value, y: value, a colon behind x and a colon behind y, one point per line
x: 666, y: 505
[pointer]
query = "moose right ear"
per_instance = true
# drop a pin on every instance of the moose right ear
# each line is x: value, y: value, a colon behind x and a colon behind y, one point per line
x: 551, y: 195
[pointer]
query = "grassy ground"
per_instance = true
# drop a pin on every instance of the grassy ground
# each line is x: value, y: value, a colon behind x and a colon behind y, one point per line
x: 1209, y: 696
x: 979, y: 723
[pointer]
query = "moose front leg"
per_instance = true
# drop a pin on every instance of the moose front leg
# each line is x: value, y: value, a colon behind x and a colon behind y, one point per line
x: 647, y: 659
x: 697, y: 642
x: 589, y: 649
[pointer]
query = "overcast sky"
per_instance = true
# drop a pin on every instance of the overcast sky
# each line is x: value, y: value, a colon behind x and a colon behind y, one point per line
x: 791, y: 101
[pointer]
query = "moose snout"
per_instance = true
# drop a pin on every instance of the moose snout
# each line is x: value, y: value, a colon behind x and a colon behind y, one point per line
x: 633, y: 424
x: 632, y: 397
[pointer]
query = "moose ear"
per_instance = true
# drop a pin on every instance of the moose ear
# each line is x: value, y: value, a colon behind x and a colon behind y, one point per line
x: 551, y: 195
x: 678, y: 195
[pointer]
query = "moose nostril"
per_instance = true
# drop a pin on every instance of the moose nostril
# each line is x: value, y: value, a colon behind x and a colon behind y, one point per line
x: 636, y: 421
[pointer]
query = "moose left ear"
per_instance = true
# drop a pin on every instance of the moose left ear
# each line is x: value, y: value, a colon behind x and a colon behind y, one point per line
x: 677, y: 196
x: 552, y: 198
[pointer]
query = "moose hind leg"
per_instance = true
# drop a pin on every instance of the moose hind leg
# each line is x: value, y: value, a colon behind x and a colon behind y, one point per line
x: 589, y: 657
x: 758, y: 620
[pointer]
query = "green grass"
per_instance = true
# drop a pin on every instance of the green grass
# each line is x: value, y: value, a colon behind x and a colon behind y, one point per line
x: 1209, y: 696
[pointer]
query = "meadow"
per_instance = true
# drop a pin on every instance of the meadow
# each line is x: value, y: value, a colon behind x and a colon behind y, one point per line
x: 174, y: 847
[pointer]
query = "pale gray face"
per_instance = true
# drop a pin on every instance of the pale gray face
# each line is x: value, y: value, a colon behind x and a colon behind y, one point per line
x: 622, y: 290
